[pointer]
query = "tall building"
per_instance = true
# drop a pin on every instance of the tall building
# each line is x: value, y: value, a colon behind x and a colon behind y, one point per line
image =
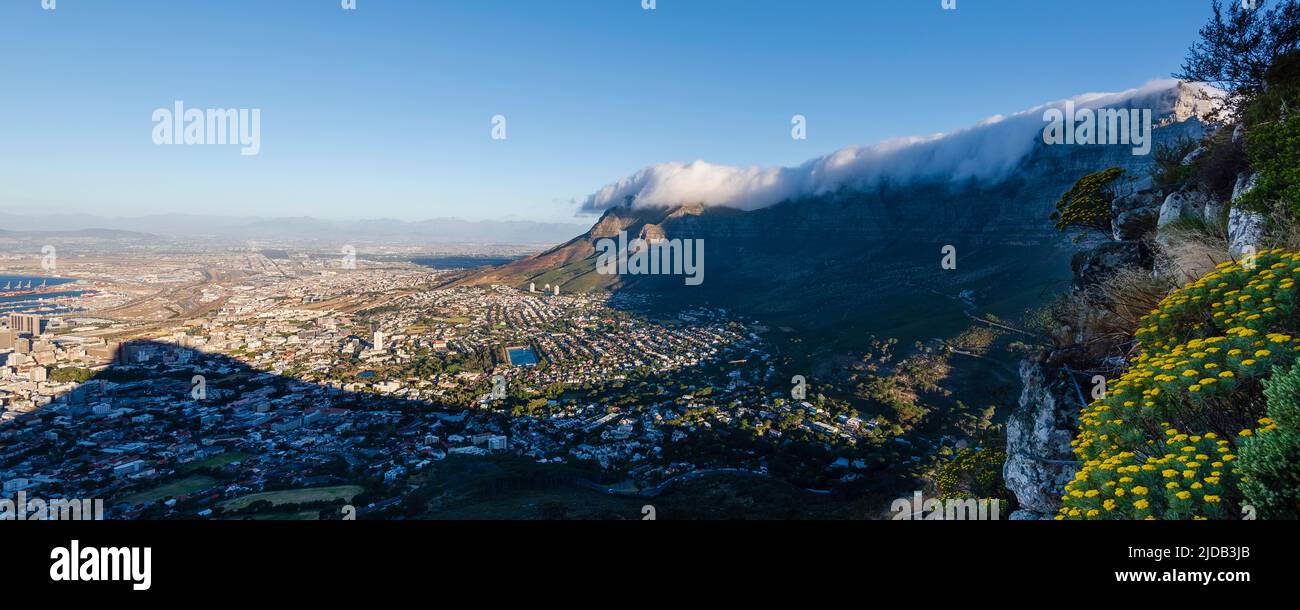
x: 27, y: 324
x: 376, y: 339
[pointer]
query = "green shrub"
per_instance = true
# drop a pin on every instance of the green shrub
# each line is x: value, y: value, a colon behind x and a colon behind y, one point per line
x: 972, y: 473
x: 1167, y: 170
x: 1087, y: 204
x: 71, y: 374
x: 1282, y: 94
x: 1270, y: 461
x: 1162, y: 441
x: 1217, y: 169
x: 1274, y: 150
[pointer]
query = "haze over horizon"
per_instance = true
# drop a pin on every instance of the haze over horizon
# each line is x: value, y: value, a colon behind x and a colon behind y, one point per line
x: 346, y: 134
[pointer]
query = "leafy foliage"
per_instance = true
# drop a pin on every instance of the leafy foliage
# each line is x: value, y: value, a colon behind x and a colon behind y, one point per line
x: 1203, y: 353
x: 1167, y: 169
x: 71, y: 374
x: 1239, y: 45
x: 1087, y: 204
x: 1270, y: 476
x: 1274, y: 150
x: 972, y: 473
x: 1281, y: 92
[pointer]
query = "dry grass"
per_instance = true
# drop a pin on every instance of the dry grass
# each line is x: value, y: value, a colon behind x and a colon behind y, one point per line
x: 1123, y: 300
x: 1285, y: 229
x: 1100, y: 323
x: 1186, y: 252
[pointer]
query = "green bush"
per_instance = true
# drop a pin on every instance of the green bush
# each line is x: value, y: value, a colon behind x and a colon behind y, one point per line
x: 1282, y: 94
x: 1167, y: 170
x: 1274, y: 150
x: 71, y: 374
x: 1163, y: 441
x: 972, y: 473
x: 1270, y: 460
x: 1087, y: 204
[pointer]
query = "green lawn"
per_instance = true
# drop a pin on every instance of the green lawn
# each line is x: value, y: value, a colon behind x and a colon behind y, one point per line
x: 216, y: 461
x: 294, y: 496
x: 305, y: 515
x: 171, y: 490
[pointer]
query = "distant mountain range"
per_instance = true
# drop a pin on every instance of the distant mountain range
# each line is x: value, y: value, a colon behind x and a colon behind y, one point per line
x: 75, y: 233
x: 862, y: 256
x: 438, y: 230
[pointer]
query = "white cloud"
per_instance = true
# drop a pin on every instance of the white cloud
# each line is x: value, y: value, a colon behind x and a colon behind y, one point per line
x: 989, y: 150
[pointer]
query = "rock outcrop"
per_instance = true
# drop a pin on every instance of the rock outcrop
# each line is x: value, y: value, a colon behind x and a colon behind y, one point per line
x: 1135, y: 215
x: 1094, y: 266
x: 1191, y: 204
x: 1245, y: 228
x: 1039, y: 457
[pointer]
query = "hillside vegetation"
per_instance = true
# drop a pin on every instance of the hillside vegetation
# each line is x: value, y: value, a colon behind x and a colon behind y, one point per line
x: 1198, y: 334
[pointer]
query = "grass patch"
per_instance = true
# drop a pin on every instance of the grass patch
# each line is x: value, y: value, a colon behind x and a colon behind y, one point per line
x: 304, y: 515
x: 294, y: 496
x: 216, y: 461
x: 171, y: 490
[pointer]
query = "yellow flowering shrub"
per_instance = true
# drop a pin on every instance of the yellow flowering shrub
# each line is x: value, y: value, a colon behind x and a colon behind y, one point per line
x: 1087, y: 204
x: 1161, y: 443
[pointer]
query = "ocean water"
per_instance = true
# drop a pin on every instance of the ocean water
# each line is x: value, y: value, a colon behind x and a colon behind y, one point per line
x: 11, y: 302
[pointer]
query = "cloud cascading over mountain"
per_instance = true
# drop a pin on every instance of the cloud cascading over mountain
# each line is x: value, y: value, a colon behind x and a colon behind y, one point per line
x: 987, y: 151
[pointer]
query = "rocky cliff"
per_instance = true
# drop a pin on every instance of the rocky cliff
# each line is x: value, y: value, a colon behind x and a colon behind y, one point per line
x: 1056, y: 383
x: 865, y: 259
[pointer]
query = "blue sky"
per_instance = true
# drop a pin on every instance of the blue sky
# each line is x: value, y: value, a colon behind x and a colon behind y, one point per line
x: 386, y: 111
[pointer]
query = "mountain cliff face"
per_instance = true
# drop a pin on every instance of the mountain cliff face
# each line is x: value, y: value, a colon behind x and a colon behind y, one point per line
x: 1040, y: 458
x: 865, y: 259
